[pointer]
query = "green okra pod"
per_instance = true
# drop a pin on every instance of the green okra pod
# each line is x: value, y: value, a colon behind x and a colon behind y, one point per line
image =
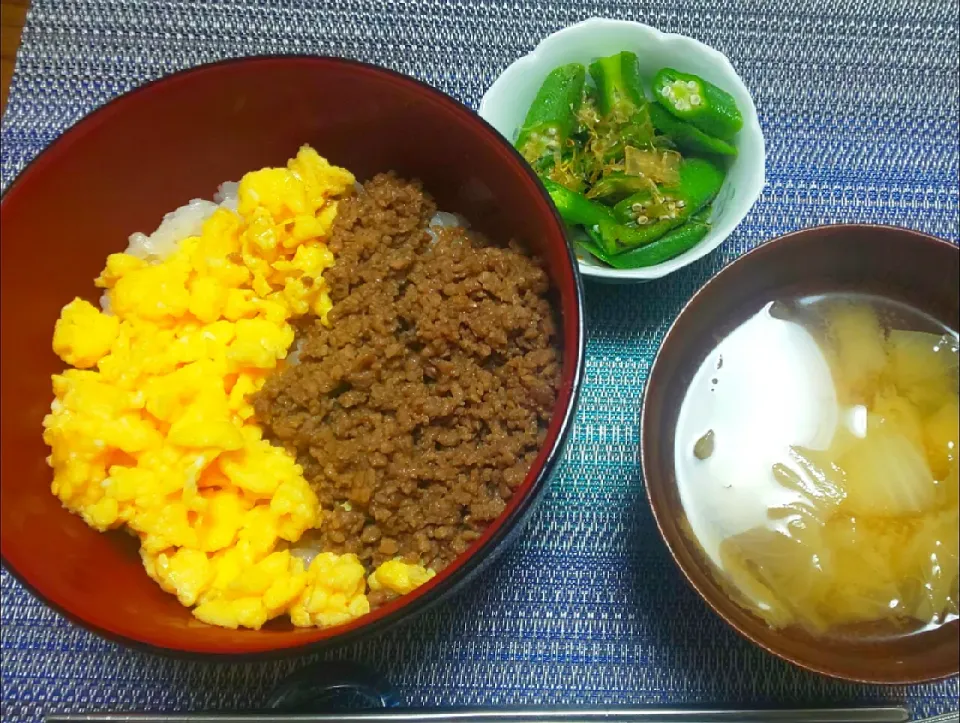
x: 617, y: 112
x: 616, y: 238
x: 697, y: 101
x: 619, y: 88
x: 671, y: 244
x: 552, y: 117
x: 700, y: 182
x: 686, y: 136
x: 576, y: 209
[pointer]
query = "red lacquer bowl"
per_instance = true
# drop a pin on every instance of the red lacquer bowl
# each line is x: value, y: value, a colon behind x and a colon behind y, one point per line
x: 119, y: 170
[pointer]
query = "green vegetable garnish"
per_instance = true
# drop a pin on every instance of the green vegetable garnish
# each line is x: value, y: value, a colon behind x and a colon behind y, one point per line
x: 619, y: 90
x: 577, y: 210
x: 544, y: 140
x: 697, y: 101
x: 671, y: 244
x: 700, y: 182
x: 612, y: 162
x: 686, y: 136
x: 615, y: 115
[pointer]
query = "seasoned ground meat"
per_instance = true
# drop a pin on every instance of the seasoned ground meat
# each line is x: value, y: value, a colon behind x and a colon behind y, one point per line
x: 419, y: 410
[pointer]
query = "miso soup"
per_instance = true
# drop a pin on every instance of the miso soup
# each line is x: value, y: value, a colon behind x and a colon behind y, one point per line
x: 817, y: 464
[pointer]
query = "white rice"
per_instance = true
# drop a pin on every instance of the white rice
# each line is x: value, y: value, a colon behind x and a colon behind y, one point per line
x: 442, y: 219
x: 177, y: 225
x: 226, y: 195
x: 306, y: 551
x: 293, y: 356
x: 449, y: 220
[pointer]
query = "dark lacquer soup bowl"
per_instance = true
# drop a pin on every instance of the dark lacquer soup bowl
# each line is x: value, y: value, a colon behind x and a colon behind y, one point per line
x: 150, y: 151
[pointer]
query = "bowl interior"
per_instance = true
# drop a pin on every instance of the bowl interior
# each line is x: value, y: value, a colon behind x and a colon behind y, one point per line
x: 119, y: 171
x: 505, y: 106
x: 903, y: 265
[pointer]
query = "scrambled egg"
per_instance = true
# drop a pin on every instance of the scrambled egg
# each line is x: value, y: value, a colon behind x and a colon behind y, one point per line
x: 152, y: 428
x: 399, y: 577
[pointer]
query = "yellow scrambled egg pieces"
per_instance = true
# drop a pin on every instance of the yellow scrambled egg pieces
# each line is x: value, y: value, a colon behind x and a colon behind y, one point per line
x: 152, y: 427
x: 399, y: 577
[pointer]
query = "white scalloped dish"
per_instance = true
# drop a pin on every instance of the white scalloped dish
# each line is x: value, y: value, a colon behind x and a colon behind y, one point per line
x: 505, y: 105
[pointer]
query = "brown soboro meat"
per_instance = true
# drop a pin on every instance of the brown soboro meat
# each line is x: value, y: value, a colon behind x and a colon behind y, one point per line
x: 419, y: 410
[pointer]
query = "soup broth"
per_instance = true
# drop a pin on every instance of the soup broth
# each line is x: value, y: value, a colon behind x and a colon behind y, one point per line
x: 817, y: 464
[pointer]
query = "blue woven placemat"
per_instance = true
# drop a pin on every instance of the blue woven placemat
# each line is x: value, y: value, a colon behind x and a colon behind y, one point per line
x: 859, y: 102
